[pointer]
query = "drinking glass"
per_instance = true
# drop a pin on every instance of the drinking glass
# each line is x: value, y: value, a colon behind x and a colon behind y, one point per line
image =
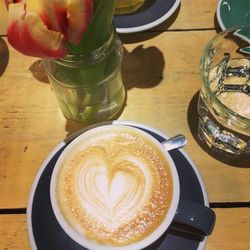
x: 224, y: 101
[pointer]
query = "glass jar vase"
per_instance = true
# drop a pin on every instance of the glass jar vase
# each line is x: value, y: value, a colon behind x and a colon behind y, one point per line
x: 89, y: 86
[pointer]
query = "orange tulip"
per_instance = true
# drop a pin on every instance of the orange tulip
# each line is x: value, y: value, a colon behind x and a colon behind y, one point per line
x: 41, y: 27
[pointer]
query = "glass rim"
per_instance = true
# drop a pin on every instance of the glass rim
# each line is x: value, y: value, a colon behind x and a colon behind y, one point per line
x: 205, y: 83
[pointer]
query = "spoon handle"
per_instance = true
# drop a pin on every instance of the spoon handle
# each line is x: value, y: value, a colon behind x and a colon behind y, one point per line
x: 175, y: 142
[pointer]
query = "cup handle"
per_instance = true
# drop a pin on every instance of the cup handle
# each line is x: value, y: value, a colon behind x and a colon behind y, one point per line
x: 194, y: 218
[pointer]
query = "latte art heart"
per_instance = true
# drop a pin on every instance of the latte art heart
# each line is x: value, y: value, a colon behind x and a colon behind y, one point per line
x: 115, y: 188
x: 112, y: 193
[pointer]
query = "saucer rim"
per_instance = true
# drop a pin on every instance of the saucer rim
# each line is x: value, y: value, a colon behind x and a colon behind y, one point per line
x: 74, y: 135
x: 150, y: 25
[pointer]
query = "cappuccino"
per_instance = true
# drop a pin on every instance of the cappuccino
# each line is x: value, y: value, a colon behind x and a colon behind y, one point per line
x: 114, y: 186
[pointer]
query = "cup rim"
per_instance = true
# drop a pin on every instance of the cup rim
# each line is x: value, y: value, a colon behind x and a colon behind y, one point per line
x: 92, y: 245
x: 204, y: 79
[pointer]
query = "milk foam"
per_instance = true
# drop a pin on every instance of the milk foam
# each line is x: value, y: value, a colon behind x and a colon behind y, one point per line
x: 113, y: 198
x: 115, y: 187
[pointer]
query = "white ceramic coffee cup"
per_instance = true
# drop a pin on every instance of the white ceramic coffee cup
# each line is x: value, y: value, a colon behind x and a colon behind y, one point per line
x: 171, y: 213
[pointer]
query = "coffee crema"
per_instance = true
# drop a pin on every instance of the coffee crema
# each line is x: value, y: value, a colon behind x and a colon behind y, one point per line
x: 115, y: 187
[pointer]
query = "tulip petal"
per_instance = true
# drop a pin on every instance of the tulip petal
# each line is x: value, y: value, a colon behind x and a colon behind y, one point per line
x: 29, y: 35
x: 52, y: 12
x: 80, y: 13
x: 69, y: 17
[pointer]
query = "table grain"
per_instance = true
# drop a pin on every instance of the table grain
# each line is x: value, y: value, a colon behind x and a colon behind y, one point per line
x: 161, y: 74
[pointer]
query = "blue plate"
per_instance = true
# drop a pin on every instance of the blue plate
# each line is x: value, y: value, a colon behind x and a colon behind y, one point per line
x: 151, y: 14
x: 46, y: 234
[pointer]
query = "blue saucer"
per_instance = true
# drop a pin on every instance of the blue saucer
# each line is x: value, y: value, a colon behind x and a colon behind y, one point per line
x: 46, y: 234
x: 151, y: 14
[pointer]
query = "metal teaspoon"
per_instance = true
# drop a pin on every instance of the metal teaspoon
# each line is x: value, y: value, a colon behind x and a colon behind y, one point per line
x: 175, y: 142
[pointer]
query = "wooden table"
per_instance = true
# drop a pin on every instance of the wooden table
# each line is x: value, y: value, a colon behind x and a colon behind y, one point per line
x: 161, y: 72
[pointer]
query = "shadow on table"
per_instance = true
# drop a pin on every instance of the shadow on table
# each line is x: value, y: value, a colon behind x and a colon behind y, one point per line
x: 4, y: 56
x: 142, y: 67
x: 216, y: 24
x: 241, y: 162
x: 142, y: 36
x: 38, y: 71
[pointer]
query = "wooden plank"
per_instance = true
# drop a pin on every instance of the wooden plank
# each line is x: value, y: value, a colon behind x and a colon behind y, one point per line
x: 13, y: 232
x: 191, y: 14
x: 162, y: 80
x: 230, y: 232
